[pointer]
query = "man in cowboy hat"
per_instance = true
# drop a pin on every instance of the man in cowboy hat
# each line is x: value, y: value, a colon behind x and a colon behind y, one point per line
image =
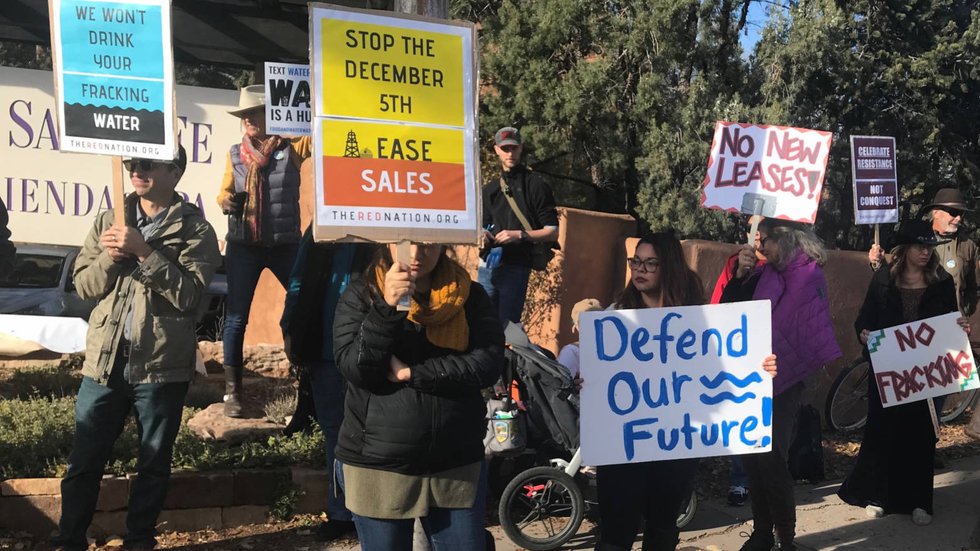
x: 959, y: 255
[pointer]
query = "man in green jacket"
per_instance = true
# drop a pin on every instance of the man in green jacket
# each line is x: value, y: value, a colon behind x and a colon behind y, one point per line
x: 150, y: 276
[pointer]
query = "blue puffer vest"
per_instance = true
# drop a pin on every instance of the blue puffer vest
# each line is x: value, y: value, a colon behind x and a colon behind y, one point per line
x: 280, y: 213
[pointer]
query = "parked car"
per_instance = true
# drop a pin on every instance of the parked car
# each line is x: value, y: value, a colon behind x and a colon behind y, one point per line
x: 41, y: 285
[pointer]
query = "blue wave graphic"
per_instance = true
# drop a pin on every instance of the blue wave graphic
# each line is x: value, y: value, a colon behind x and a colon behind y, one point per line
x: 712, y: 400
x: 722, y: 377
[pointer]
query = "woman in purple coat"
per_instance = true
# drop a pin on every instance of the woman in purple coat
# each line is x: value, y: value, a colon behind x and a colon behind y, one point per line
x: 803, y: 339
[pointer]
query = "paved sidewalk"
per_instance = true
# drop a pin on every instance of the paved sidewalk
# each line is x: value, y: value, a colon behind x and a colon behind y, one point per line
x: 824, y: 522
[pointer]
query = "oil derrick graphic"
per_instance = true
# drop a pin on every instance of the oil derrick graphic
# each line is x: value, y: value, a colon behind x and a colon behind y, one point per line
x: 351, y: 149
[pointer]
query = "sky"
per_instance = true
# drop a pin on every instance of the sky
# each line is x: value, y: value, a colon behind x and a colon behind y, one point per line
x: 754, y: 24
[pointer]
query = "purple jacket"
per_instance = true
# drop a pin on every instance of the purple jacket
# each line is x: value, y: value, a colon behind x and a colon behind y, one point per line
x: 802, y: 333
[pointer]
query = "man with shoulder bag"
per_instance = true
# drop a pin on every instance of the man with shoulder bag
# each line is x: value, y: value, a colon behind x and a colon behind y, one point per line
x: 521, y: 228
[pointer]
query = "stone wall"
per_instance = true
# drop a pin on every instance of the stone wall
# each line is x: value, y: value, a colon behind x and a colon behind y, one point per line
x: 195, y: 501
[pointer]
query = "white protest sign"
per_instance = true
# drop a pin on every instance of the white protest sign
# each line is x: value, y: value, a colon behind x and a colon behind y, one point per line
x: 922, y: 359
x: 287, y: 99
x: 114, y: 77
x: 671, y: 383
x: 875, y: 174
x: 774, y: 171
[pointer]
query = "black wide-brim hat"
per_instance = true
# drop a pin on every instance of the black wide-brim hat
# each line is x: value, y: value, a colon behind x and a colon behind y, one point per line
x: 917, y: 232
x: 949, y: 198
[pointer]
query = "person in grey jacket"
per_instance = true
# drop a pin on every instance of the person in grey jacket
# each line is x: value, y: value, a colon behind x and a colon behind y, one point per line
x: 150, y: 277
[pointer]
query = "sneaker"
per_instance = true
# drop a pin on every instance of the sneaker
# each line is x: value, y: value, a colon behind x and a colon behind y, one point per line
x: 920, y: 517
x: 737, y: 495
x: 759, y: 541
x: 874, y: 511
x: 331, y: 530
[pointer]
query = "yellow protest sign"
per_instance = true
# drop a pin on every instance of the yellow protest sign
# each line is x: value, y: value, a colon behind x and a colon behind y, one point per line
x: 394, y: 127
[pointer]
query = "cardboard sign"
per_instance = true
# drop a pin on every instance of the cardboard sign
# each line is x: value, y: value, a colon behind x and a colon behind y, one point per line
x: 774, y: 171
x: 875, y: 176
x: 671, y: 383
x: 114, y: 77
x: 53, y: 198
x: 394, y: 126
x: 922, y: 359
x: 287, y: 99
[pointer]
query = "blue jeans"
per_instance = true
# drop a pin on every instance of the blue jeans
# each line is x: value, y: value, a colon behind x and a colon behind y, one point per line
x: 506, y: 284
x: 446, y: 529
x: 100, y: 414
x: 244, y: 264
x: 328, y: 399
x: 737, y: 476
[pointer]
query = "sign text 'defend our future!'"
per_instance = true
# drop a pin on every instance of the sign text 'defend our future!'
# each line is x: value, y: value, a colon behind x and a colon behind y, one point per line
x: 394, y: 126
x: 114, y: 76
x: 672, y: 383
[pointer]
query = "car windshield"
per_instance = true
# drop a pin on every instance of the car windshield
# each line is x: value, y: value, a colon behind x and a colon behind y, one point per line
x: 34, y: 271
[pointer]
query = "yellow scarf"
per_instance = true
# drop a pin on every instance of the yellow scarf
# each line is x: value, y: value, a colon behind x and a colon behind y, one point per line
x: 444, y: 318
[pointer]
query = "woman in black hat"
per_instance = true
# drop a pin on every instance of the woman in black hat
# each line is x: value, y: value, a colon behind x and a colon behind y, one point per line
x: 894, y: 470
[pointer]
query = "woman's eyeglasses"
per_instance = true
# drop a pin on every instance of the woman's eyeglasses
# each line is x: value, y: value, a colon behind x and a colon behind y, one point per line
x: 762, y: 241
x: 648, y: 264
x: 143, y: 165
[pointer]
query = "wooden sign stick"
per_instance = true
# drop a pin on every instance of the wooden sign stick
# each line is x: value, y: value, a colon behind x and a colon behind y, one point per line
x: 118, y: 193
x: 403, y: 254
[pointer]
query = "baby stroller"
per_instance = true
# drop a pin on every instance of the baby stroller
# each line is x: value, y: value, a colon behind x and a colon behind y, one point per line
x: 543, y: 506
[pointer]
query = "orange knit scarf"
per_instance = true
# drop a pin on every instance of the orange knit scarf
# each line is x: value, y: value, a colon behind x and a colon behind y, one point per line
x: 443, y: 317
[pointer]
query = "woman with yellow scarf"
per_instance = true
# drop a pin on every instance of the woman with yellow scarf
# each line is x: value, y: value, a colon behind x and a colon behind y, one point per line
x: 411, y: 444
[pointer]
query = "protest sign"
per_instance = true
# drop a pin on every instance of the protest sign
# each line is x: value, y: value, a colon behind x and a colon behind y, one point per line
x: 287, y: 99
x: 875, y: 176
x: 394, y: 105
x: 114, y: 78
x: 922, y: 359
x: 671, y: 383
x: 774, y: 171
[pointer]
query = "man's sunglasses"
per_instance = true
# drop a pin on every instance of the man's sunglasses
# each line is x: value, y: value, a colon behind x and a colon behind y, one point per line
x: 144, y: 165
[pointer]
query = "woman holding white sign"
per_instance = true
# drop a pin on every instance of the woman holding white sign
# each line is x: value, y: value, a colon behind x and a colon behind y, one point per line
x: 894, y: 469
x: 653, y: 490
x: 411, y: 443
x: 792, y: 280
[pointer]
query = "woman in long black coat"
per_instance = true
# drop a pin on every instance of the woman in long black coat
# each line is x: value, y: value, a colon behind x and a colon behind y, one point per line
x: 894, y: 470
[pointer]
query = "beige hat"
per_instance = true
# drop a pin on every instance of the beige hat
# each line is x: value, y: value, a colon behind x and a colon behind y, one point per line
x: 249, y: 98
x: 584, y: 305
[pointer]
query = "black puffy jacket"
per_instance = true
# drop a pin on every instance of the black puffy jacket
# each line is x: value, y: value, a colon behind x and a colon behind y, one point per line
x: 437, y: 420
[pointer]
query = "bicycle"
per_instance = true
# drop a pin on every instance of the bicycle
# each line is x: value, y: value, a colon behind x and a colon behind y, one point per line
x: 846, y: 408
x: 543, y: 507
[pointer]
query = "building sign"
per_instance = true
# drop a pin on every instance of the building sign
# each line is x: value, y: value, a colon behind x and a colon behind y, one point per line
x: 875, y: 173
x: 54, y: 198
x: 394, y: 125
x: 114, y: 77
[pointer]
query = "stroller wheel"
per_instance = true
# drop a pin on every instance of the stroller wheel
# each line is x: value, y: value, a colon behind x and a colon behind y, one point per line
x: 541, y: 508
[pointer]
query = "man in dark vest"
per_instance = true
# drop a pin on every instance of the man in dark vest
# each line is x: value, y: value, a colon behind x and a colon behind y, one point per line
x: 506, y: 270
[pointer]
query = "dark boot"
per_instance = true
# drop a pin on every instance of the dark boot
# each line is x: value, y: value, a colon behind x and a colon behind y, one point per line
x: 233, y: 391
x: 784, y: 542
x: 760, y: 540
x: 660, y: 540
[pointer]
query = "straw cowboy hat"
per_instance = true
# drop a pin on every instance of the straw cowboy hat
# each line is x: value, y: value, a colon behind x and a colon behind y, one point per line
x: 249, y: 98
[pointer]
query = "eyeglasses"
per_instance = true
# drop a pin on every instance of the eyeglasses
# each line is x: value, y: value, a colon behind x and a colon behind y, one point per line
x: 952, y: 212
x: 648, y: 264
x: 143, y: 165
x: 762, y: 241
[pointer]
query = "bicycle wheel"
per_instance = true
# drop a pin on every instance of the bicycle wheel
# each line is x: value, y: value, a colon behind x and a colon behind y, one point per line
x: 541, y: 508
x: 847, y: 401
x: 956, y: 404
x: 690, y: 509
